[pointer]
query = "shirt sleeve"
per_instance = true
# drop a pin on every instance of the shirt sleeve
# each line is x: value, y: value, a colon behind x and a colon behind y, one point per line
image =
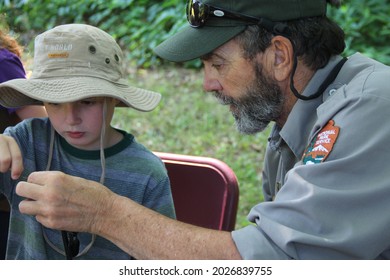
x: 159, y: 198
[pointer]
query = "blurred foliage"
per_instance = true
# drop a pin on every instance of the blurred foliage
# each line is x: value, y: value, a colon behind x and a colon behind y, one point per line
x: 367, y: 27
x: 141, y: 25
x: 138, y: 26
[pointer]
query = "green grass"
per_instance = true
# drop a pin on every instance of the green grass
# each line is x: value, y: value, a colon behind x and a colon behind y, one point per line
x: 189, y: 121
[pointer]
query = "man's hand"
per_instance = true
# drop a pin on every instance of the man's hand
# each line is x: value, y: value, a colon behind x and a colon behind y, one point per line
x: 10, y: 156
x: 64, y: 202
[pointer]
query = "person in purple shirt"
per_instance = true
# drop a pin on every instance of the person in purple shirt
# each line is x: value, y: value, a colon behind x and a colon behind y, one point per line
x: 11, y: 67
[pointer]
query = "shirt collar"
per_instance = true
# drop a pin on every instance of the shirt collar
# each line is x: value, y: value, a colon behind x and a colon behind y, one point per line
x: 299, y: 123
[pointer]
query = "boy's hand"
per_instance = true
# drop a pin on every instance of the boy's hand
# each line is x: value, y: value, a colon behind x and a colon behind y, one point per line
x: 10, y: 156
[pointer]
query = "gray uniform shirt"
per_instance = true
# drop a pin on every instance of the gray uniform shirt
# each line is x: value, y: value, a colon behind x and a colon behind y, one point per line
x: 326, y: 177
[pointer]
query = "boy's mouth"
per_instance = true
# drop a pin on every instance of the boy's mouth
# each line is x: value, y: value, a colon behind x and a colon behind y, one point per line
x: 75, y: 134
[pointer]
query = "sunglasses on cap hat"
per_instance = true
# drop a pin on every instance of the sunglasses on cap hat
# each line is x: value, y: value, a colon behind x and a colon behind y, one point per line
x: 198, y: 13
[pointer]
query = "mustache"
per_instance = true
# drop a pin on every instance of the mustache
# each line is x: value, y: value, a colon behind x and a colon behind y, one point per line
x: 223, y: 99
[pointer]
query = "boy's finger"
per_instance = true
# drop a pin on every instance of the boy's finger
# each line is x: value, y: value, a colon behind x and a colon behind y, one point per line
x: 17, y: 160
x: 5, y: 155
x: 10, y: 157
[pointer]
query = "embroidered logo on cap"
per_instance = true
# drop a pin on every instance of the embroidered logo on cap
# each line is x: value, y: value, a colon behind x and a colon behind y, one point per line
x: 322, y: 144
x: 58, y: 55
x: 58, y: 50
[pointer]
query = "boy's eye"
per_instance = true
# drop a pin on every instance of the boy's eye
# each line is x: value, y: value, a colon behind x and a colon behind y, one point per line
x: 88, y: 101
x: 85, y: 102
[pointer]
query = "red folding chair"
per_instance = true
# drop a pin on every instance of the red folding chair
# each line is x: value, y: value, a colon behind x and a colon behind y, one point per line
x: 205, y: 190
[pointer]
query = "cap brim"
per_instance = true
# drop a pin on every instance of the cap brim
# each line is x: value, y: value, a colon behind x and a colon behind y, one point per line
x: 191, y: 43
x: 21, y: 92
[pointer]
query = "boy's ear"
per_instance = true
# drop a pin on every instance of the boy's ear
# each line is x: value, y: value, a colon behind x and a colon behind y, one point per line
x: 112, y: 100
x: 283, y: 57
x: 117, y: 101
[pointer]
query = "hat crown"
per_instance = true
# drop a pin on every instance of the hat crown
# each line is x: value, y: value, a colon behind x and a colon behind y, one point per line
x: 73, y: 62
x: 77, y: 50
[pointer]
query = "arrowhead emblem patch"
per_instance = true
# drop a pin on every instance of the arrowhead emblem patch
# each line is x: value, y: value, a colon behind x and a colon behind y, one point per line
x: 322, y: 144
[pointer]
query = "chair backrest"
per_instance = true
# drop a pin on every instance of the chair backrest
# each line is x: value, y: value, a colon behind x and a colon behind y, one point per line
x: 205, y: 190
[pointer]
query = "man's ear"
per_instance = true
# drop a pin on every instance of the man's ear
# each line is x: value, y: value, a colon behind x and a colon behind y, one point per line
x: 283, y: 57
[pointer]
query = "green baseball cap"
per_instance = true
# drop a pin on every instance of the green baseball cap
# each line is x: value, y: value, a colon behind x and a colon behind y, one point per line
x: 194, y: 42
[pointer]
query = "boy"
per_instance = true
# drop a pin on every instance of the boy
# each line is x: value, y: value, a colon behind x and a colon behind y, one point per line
x: 79, y: 77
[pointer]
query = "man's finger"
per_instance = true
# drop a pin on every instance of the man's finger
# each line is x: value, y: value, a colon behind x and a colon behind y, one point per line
x: 29, y: 207
x: 44, y: 177
x: 28, y: 190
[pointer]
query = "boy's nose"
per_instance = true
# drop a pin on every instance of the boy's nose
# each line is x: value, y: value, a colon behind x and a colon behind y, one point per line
x: 72, y: 116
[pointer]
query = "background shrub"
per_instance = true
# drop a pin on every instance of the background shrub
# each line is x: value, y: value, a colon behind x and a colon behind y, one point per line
x: 140, y: 25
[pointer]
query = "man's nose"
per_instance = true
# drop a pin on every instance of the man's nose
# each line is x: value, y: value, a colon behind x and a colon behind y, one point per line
x: 210, y: 82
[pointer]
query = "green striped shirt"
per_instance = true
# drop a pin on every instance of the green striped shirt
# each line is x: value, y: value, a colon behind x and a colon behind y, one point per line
x: 131, y: 171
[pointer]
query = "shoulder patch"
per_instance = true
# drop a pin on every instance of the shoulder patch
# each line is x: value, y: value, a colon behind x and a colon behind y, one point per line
x: 322, y: 144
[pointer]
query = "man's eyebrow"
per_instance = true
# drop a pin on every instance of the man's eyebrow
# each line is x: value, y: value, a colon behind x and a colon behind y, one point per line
x: 210, y: 56
x: 206, y: 56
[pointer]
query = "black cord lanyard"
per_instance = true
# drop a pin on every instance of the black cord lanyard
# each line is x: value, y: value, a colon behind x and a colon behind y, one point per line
x: 283, y: 30
x: 332, y: 75
x: 71, y: 244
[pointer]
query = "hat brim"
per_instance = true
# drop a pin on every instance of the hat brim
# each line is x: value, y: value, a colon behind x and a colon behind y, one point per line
x: 191, y: 43
x: 21, y: 92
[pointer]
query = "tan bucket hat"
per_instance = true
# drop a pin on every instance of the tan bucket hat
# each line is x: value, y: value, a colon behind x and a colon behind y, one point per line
x: 73, y: 62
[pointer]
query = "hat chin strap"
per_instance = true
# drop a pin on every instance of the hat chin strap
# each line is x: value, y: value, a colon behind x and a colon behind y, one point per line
x: 73, y: 235
x: 102, y: 142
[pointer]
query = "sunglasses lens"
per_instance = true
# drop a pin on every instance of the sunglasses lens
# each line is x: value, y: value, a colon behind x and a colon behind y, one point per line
x: 196, y: 15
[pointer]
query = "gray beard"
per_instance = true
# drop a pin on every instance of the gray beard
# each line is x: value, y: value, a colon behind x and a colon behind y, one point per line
x: 262, y: 103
